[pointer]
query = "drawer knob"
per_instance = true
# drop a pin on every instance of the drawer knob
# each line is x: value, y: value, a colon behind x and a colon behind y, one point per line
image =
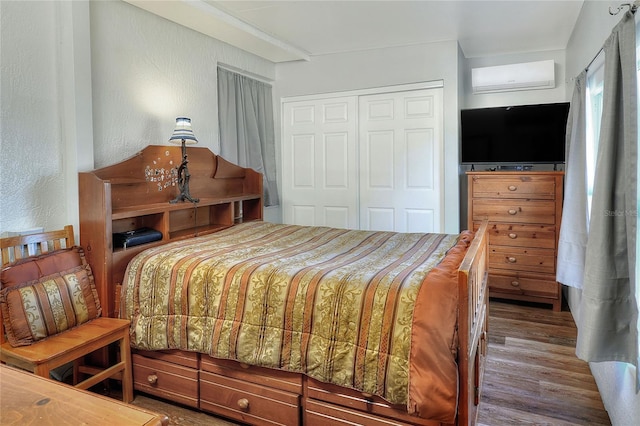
x: 152, y: 379
x: 243, y: 403
x: 513, y: 235
x: 513, y: 188
x: 513, y: 211
x: 515, y: 283
x: 511, y: 259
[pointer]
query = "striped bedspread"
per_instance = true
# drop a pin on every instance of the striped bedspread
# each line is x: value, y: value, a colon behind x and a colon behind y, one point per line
x: 346, y: 307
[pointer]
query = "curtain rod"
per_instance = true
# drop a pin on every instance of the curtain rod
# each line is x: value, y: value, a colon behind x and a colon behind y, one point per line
x: 632, y: 8
x: 244, y: 73
x: 594, y: 59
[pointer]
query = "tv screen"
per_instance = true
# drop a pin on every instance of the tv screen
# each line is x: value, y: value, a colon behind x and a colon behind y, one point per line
x: 520, y: 134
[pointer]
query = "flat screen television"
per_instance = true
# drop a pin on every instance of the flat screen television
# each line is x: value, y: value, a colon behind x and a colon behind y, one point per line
x: 523, y: 134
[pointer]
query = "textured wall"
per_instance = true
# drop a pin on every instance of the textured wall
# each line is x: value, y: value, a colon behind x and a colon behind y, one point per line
x: 31, y: 162
x: 146, y: 71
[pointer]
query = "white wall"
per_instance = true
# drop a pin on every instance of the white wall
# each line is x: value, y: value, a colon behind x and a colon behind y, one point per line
x: 87, y: 84
x: 616, y: 381
x: 32, y: 164
x: 386, y: 67
x: 146, y: 72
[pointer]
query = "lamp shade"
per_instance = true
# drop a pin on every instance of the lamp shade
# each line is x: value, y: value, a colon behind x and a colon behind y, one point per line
x: 183, y: 132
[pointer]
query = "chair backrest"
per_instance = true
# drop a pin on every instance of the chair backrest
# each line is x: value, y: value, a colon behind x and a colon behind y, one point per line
x: 23, y: 246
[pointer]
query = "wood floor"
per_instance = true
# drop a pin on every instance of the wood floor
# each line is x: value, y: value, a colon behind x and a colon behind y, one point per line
x: 532, y: 375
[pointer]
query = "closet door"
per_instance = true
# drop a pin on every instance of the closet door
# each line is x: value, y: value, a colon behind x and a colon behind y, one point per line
x: 319, y: 163
x: 401, y: 161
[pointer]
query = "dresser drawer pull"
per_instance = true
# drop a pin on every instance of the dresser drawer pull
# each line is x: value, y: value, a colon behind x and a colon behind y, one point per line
x: 513, y: 211
x: 243, y: 403
x: 515, y: 283
x: 513, y: 235
x: 513, y: 188
x: 511, y: 259
x: 152, y: 379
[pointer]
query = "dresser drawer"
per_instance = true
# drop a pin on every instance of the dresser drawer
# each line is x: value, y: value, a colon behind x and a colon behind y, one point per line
x: 173, y: 382
x: 514, y: 211
x: 501, y: 186
x: 522, y: 259
x: 523, y: 284
x: 535, y: 236
x: 248, y: 402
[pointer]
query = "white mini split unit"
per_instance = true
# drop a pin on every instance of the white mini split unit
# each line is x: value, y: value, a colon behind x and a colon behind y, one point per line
x: 506, y: 78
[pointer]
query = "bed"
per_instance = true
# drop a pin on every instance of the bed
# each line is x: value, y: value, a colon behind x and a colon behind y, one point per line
x: 282, y: 324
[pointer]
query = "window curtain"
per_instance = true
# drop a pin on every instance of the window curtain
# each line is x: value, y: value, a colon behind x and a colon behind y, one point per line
x: 607, y: 330
x: 572, y: 242
x: 245, y: 113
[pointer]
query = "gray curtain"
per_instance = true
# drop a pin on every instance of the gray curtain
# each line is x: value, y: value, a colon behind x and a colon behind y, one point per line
x: 245, y: 113
x: 608, y: 315
x: 575, y: 211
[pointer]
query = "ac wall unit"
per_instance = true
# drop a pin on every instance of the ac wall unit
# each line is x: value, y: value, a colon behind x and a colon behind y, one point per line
x: 506, y: 78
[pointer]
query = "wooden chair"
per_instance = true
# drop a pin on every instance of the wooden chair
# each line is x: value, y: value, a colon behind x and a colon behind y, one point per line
x: 72, y: 344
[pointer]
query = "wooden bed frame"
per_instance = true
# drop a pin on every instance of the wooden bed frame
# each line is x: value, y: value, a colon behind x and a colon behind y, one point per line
x: 135, y: 193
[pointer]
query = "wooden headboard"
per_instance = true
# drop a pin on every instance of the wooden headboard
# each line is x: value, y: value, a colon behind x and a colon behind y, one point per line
x: 135, y: 193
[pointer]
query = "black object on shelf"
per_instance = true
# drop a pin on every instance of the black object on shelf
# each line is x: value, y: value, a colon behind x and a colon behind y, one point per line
x: 135, y: 237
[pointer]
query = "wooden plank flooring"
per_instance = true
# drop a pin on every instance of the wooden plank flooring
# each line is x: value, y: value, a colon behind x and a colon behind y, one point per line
x: 532, y: 375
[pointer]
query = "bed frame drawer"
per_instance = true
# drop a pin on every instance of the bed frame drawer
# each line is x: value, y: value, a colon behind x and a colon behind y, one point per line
x: 324, y: 400
x: 184, y: 358
x: 283, y: 380
x: 248, y: 402
x: 319, y: 413
x: 166, y: 380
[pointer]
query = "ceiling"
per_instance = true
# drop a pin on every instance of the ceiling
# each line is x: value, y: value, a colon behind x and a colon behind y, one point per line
x: 283, y: 31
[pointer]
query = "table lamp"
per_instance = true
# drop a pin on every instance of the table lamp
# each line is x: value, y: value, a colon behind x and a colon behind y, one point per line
x: 184, y: 135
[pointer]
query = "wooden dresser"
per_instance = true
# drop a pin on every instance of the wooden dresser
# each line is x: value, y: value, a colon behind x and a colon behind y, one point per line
x: 524, y: 211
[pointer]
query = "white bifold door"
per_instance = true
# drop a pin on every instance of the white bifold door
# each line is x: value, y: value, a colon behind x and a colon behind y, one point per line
x: 319, y: 166
x: 371, y: 161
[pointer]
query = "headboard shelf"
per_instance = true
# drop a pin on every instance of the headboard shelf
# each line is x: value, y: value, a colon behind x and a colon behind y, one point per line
x: 135, y: 193
x: 197, y: 232
x: 145, y: 209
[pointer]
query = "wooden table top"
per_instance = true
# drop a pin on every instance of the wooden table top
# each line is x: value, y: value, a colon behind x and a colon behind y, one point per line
x: 27, y: 399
